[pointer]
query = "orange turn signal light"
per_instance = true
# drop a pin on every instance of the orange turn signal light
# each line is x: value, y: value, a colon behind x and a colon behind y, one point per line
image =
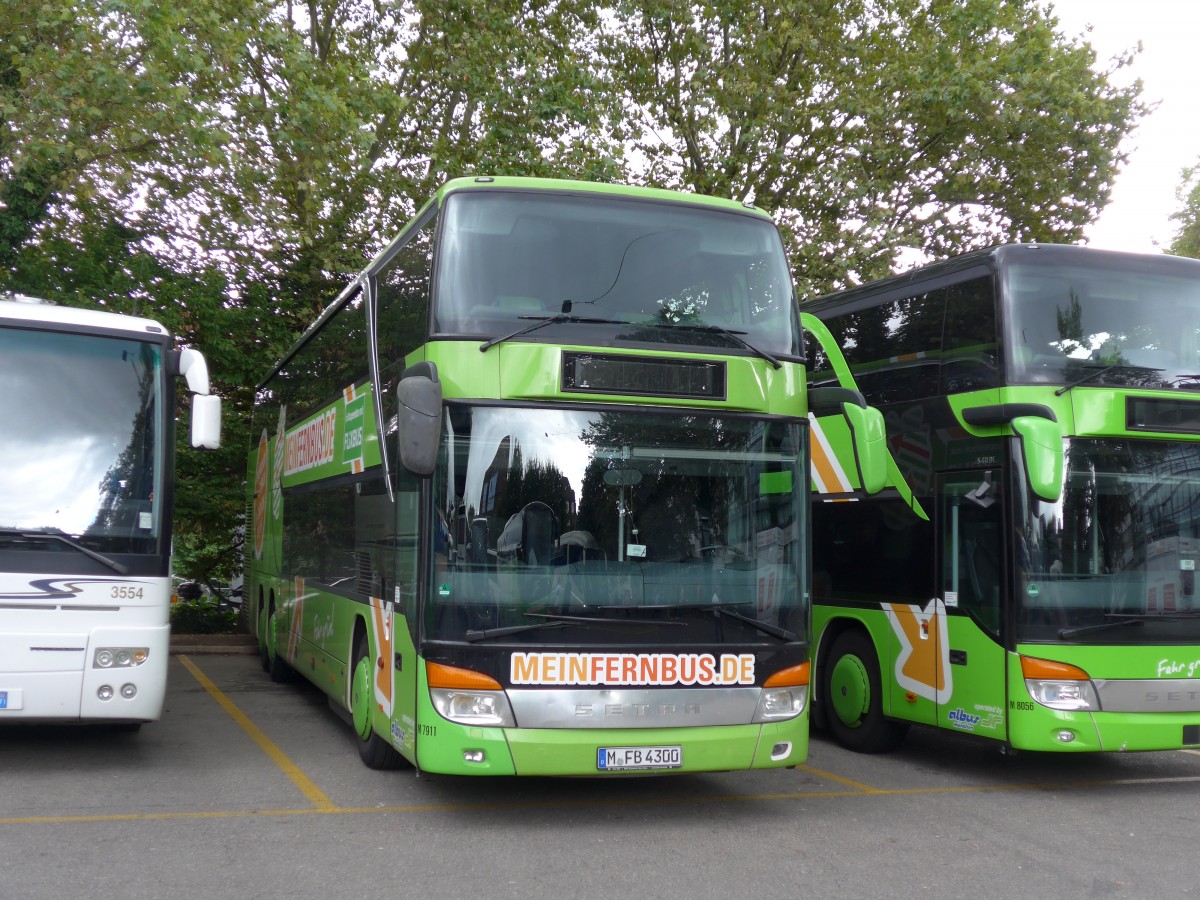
x: 440, y: 676
x: 1032, y: 667
x: 793, y: 676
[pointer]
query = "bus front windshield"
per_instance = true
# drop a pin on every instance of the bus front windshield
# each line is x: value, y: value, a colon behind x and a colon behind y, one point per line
x: 1114, y: 562
x: 1118, y: 321
x: 624, y: 269
x: 574, y: 526
x: 79, y: 451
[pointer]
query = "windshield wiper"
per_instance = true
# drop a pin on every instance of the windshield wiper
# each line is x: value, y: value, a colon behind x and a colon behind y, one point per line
x: 1097, y: 373
x: 542, y: 322
x: 55, y: 534
x: 723, y: 610
x: 551, y: 620
x: 1120, y: 619
x: 735, y: 336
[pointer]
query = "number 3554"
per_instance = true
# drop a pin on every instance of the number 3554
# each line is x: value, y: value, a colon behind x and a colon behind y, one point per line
x: 123, y: 592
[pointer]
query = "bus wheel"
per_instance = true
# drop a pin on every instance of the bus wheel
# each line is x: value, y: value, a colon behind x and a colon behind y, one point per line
x: 275, y: 664
x: 853, y: 698
x: 374, y: 751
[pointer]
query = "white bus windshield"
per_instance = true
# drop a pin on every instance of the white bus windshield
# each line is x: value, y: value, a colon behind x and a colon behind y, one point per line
x: 80, y: 453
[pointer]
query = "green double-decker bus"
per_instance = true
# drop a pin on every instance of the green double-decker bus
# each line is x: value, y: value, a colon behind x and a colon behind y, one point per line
x: 1029, y: 574
x: 530, y: 496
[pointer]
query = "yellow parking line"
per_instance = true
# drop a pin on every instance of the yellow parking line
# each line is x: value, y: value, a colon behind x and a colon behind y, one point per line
x: 315, y: 795
x: 829, y: 776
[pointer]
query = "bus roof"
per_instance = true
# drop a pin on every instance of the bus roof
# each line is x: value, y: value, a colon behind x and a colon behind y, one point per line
x: 1007, y: 254
x: 31, y: 310
x: 486, y: 182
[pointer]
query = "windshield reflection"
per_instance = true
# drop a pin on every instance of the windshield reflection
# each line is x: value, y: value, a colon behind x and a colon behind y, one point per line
x: 624, y: 518
x: 1133, y: 323
x: 78, y: 451
x: 1118, y: 550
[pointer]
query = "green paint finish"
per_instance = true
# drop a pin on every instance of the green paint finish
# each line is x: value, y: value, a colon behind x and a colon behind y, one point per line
x: 775, y: 482
x: 850, y: 690
x: 595, y: 188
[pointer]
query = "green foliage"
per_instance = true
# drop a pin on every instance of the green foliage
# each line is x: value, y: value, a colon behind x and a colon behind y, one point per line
x: 225, y: 166
x: 1187, y: 241
x: 203, y: 616
x: 868, y: 126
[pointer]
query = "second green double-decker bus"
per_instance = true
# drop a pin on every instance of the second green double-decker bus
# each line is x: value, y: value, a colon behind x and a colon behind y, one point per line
x: 1032, y: 579
x: 525, y: 496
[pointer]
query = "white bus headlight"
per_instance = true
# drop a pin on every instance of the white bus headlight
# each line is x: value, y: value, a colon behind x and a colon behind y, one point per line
x: 119, y: 657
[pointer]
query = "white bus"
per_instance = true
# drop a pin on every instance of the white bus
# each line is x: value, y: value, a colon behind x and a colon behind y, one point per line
x: 87, y: 424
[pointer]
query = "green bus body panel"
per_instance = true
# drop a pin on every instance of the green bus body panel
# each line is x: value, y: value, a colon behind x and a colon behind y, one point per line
x: 529, y: 371
x: 988, y: 697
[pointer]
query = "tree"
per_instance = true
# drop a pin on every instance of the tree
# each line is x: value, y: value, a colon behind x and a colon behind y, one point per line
x: 1187, y: 241
x: 868, y: 126
x: 226, y: 166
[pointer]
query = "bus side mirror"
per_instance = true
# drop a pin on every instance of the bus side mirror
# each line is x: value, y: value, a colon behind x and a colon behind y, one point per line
x: 206, y: 421
x: 420, y: 418
x: 1042, y: 449
x: 870, y: 445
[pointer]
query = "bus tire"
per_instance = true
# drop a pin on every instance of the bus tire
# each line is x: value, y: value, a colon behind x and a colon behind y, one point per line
x: 276, y: 665
x: 852, y: 695
x: 374, y: 751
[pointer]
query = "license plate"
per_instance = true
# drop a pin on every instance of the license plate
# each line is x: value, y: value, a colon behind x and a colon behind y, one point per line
x: 618, y: 759
x: 3, y: 699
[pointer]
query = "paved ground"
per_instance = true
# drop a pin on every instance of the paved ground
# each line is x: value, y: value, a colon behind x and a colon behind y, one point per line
x: 247, y: 788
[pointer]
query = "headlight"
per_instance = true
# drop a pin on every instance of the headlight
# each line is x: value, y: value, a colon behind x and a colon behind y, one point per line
x: 1059, y: 685
x: 119, y: 657
x: 1076, y: 696
x: 776, y: 704
x: 473, y: 707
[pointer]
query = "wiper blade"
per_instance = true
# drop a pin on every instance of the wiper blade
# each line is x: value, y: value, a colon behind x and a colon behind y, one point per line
x: 542, y: 322
x: 55, y: 534
x: 723, y: 610
x: 774, y: 630
x: 1098, y: 372
x: 732, y: 335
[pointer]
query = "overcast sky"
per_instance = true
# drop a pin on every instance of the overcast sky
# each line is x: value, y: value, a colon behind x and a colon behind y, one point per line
x: 1138, y: 217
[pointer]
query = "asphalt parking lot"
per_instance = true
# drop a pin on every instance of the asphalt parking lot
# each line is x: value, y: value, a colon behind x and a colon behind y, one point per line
x: 248, y: 788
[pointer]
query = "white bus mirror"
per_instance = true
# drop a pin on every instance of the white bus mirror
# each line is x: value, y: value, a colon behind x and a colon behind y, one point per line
x: 194, y: 367
x: 206, y: 421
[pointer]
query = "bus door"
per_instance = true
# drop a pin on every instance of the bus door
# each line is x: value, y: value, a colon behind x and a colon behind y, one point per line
x: 971, y: 563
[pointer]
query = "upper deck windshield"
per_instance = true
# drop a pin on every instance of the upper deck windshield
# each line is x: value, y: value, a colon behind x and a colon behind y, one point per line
x: 1111, y: 319
x: 1114, y: 562
x: 571, y: 526
x: 654, y: 272
x: 80, y: 454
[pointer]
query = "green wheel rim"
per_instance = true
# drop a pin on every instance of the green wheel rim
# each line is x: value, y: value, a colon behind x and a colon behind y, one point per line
x: 850, y: 690
x: 360, y: 694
